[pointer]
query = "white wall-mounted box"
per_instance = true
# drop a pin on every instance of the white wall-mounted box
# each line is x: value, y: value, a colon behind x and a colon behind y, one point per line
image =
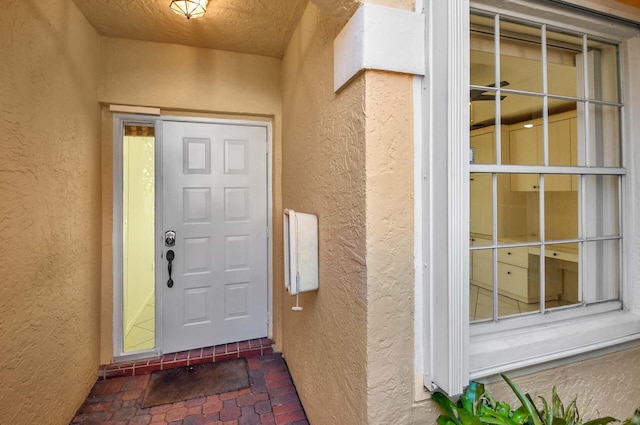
x: 300, y: 251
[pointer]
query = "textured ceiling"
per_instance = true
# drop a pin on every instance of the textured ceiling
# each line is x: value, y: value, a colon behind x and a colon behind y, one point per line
x: 261, y: 27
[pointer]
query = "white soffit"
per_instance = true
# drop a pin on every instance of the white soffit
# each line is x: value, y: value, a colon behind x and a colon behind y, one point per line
x: 380, y: 38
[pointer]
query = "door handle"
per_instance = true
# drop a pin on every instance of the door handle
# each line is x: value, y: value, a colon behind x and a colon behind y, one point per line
x: 170, y: 256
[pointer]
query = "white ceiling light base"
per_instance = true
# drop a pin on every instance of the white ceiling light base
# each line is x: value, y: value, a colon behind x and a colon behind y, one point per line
x: 189, y: 8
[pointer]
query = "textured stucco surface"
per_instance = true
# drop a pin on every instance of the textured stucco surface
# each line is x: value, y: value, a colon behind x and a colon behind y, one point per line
x: 390, y: 244
x: 605, y: 386
x: 211, y: 83
x: 324, y: 173
x: 180, y: 77
x: 261, y: 27
x: 49, y: 211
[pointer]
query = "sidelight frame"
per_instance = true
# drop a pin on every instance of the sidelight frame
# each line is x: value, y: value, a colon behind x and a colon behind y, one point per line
x: 119, y: 121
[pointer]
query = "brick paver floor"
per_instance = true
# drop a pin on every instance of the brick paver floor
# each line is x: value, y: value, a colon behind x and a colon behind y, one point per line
x: 271, y: 400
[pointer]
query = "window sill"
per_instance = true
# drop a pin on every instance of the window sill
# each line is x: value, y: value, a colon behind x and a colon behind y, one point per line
x: 509, y: 350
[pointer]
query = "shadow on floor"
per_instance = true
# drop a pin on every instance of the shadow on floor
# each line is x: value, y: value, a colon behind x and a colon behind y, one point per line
x: 271, y: 400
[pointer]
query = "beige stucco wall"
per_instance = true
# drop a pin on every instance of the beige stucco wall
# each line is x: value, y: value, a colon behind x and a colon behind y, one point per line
x: 191, y: 82
x: 348, y: 158
x: 323, y: 173
x: 49, y: 211
x: 390, y: 245
x: 605, y: 386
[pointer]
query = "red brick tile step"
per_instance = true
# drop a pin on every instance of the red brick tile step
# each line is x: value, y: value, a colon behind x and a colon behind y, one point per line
x: 234, y: 350
x: 271, y: 400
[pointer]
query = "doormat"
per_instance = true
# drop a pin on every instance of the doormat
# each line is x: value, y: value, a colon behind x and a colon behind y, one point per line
x: 185, y: 383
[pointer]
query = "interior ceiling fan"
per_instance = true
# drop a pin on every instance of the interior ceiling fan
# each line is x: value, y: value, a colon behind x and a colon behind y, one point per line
x: 478, y: 95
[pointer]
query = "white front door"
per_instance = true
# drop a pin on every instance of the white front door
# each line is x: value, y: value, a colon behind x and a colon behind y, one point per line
x: 214, y: 180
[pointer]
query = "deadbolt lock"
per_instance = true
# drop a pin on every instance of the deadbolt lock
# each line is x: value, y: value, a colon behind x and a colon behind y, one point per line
x: 169, y: 238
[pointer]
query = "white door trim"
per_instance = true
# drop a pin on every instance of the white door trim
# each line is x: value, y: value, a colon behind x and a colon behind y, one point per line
x: 118, y: 125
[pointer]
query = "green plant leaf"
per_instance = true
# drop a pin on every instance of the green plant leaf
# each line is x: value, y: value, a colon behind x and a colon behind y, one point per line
x: 546, y: 414
x: 468, y: 418
x: 471, y: 395
x: 447, y: 406
x: 490, y: 416
x: 635, y: 419
x: 601, y: 421
x: 503, y: 408
x: 520, y: 416
x: 444, y: 420
x: 525, y: 400
x: 557, y: 408
x: 571, y: 414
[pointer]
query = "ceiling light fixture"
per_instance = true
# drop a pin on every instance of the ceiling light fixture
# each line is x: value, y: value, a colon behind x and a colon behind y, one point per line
x: 189, y: 8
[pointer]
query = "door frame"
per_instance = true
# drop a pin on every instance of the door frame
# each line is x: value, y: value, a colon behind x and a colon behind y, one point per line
x: 119, y: 120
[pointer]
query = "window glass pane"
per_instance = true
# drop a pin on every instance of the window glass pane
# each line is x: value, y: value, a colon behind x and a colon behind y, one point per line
x: 482, y: 125
x: 521, y: 118
x: 482, y: 105
x: 481, y: 207
x: 603, y: 142
x: 602, y: 70
x: 138, y: 207
x: 482, y: 54
x: 481, y: 289
x: 580, y: 130
x: 564, y: 58
x: 482, y: 137
x: 518, y: 208
x: 578, y: 141
x: 563, y: 134
x: 520, y: 57
x: 602, y: 270
x: 514, y: 287
x: 561, y: 275
x: 601, y: 206
x: 560, y: 207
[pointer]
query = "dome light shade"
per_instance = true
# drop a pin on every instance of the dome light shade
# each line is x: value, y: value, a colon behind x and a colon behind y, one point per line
x: 189, y: 8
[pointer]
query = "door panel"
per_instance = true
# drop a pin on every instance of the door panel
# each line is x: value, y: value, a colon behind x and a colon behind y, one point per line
x: 215, y: 199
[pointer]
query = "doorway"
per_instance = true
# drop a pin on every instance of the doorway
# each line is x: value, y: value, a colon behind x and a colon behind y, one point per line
x: 191, y: 214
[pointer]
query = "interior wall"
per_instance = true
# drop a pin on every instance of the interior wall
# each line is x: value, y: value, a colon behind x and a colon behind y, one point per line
x: 50, y: 211
x: 192, y: 82
x: 323, y: 173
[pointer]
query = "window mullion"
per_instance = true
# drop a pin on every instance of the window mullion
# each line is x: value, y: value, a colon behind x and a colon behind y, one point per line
x: 621, y: 293
x: 581, y: 234
x: 498, y: 120
x: 494, y: 177
x: 542, y: 257
x: 585, y: 88
x: 494, y: 242
x: 545, y: 99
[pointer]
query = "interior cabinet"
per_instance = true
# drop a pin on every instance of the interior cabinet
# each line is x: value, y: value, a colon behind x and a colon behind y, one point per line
x: 526, y: 148
x: 483, y: 143
x: 482, y: 264
x: 518, y: 272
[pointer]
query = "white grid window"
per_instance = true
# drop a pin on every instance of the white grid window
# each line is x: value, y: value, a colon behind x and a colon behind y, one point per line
x: 545, y: 172
x: 531, y: 192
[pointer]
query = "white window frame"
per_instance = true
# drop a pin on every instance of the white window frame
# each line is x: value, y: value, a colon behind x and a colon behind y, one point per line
x: 455, y: 353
